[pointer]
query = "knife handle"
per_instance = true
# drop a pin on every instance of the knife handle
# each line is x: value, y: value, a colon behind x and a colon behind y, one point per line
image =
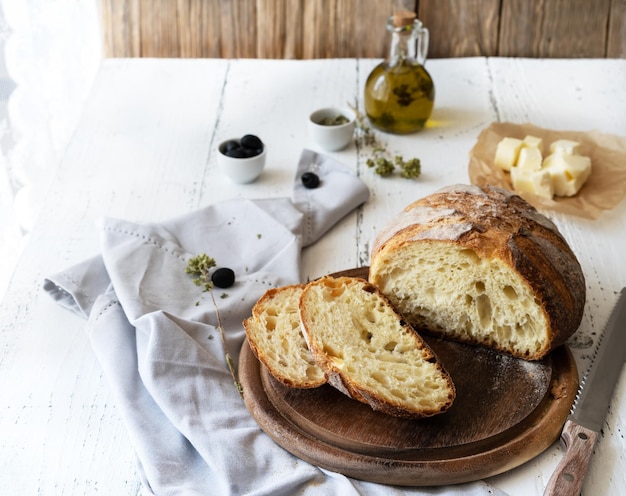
x: 569, y: 474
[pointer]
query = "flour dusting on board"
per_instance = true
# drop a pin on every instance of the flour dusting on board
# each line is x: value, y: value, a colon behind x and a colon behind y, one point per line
x: 535, y: 374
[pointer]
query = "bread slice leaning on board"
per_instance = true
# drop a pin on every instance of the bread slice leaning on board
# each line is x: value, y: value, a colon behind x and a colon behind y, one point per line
x: 369, y: 352
x: 276, y: 339
x: 481, y: 265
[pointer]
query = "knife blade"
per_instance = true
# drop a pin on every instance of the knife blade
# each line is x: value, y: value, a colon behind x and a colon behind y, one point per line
x: 583, y: 425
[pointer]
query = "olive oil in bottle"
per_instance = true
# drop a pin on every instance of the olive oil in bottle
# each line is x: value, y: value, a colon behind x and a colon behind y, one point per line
x: 399, y: 92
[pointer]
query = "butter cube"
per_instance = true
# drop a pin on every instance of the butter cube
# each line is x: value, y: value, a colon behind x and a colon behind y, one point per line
x: 537, y: 182
x: 567, y: 147
x: 529, y: 159
x: 568, y: 172
x: 533, y: 142
x: 507, y: 152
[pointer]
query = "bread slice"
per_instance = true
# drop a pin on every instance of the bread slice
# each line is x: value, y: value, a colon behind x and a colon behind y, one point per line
x: 275, y: 337
x: 369, y: 352
x: 482, y: 266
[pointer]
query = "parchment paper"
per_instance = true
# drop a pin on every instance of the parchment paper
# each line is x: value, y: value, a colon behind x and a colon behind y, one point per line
x: 604, y: 190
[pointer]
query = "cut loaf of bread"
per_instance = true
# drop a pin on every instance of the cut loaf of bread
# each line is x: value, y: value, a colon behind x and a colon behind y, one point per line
x: 481, y: 265
x: 275, y: 337
x: 369, y: 352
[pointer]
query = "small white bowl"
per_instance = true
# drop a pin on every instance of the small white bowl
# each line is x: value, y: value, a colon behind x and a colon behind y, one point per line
x: 328, y: 137
x: 241, y: 170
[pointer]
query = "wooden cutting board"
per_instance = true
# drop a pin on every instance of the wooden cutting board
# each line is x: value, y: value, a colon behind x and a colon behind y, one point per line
x: 506, y: 412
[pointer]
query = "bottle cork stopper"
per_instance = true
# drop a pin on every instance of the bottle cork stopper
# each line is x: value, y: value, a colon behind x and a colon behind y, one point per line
x: 403, y: 18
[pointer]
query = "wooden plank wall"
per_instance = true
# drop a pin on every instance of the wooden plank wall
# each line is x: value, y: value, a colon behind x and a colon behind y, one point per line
x: 302, y: 29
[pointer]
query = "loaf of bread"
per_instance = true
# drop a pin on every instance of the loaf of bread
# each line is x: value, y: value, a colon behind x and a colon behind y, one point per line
x: 274, y: 335
x: 369, y: 352
x: 481, y: 265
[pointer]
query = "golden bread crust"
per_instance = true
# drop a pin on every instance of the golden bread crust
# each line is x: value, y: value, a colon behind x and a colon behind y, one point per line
x: 496, y: 225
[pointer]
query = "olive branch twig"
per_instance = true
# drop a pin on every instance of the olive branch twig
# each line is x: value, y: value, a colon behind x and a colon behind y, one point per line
x: 382, y: 160
x: 199, y: 267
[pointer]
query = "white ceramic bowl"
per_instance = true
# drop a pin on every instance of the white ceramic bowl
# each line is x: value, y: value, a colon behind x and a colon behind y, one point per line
x: 241, y: 170
x: 332, y: 138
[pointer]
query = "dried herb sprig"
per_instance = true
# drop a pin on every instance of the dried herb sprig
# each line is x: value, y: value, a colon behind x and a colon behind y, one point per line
x: 336, y: 120
x: 199, y: 268
x: 382, y: 160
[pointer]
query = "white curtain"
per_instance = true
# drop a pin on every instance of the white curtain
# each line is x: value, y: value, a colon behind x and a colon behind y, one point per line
x: 50, y: 51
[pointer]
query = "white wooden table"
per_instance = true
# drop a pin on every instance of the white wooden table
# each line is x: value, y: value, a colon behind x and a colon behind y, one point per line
x: 145, y: 150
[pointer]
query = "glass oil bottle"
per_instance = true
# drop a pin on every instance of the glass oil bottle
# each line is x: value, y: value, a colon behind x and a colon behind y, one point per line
x: 399, y: 92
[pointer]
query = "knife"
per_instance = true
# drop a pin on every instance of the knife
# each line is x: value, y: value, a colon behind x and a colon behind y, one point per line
x: 583, y: 425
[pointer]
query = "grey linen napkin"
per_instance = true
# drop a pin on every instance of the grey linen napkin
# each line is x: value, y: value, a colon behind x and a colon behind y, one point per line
x: 154, y: 333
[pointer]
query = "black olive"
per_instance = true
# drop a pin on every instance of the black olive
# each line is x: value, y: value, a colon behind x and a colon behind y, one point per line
x: 250, y: 152
x: 251, y: 141
x: 223, y: 277
x: 230, y: 145
x: 236, y: 153
x: 310, y: 180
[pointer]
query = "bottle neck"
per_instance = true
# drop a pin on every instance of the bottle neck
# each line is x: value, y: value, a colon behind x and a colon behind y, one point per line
x: 402, y: 47
x: 409, y: 40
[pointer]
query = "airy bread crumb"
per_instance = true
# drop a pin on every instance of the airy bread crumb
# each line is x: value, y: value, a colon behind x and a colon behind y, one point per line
x: 369, y: 352
x: 276, y: 339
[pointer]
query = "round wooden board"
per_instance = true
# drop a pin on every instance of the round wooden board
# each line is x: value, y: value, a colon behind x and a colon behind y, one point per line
x: 506, y: 412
